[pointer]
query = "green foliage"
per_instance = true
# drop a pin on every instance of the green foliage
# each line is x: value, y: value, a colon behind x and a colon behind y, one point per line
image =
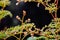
x: 3, y: 3
x: 49, y: 34
x: 55, y: 23
x: 4, y: 13
x: 12, y: 30
x: 42, y: 38
x: 2, y: 35
x: 51, y: 7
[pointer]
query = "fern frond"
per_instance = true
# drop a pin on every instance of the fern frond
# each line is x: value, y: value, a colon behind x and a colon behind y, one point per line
x: 4, y: 3
x: 4, y: 13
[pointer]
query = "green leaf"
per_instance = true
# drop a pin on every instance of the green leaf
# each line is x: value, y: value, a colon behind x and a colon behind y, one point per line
x: 2, y: 35
x: 4, y: 13
x: 3, y: 3
x: 42, y: 38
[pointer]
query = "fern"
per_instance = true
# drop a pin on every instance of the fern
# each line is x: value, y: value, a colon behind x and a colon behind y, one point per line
x: 3, y: 3
x: 4, y: 13
x: 2, y: 35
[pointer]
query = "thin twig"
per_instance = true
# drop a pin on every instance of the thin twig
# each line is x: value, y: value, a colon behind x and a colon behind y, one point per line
x: 56, y: 1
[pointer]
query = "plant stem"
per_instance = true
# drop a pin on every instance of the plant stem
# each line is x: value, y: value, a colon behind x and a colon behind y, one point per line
x: 52, y: 15
x: 56, y: 1
x: 25, y: 36
x: 4, y: 38
x: 22, y: 19
x: 20, y: 36
x: 3, y: 6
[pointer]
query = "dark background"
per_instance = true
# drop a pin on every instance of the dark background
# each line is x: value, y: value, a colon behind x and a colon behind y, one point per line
x: 38, y: 15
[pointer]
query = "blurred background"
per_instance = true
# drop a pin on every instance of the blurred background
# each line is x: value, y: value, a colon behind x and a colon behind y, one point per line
x: 38, y: 15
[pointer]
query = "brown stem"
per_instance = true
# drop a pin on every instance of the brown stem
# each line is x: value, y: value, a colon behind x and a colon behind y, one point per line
x: 56, y: 1
x: 20, y: 36
x: 24, y: 14
x: 48, y: 5
x: 56, y: 15
x: 52, y: 15
x: 4, y: 38
x: 22, y: 19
